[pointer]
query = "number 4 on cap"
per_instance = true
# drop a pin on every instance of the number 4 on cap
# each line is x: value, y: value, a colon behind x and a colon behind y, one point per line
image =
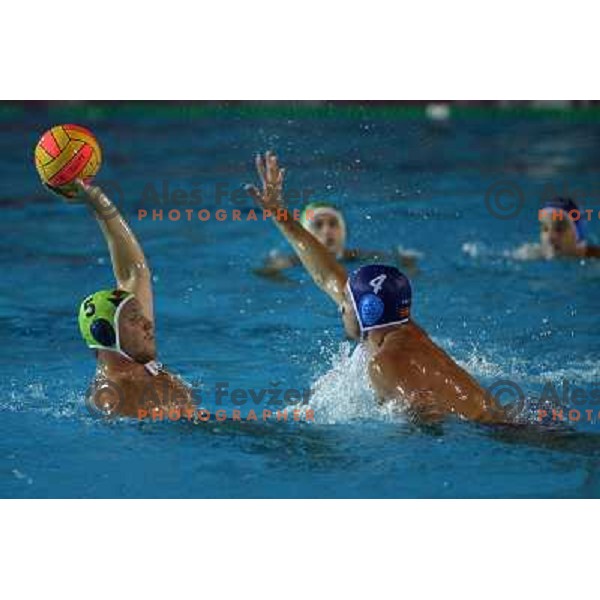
x: 377, y: 283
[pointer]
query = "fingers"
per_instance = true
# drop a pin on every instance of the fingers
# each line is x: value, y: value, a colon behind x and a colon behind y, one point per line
x: 53, y: 190
x: 66, y: 194
x: 253, y: 191
x: 272, y: 168
x: 81, y: 185
x: 82, y: 189
x: 260, y: 167
x: 268, y: 170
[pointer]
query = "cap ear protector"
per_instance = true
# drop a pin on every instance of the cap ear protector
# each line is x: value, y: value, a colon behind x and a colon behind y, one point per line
x: 103, y: 332
x: 381, y: 296
x: 371, y: 309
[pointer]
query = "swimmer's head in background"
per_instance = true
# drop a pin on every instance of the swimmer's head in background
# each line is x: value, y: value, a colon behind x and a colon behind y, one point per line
x: 99, y: 319
x: 327, y: 224
x: 561, y: 226
x: 381, y: 296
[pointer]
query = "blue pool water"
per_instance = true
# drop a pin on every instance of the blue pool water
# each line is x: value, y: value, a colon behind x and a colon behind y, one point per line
x: 402, y: 181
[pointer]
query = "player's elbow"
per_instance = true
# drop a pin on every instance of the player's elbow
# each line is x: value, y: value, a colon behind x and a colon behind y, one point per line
x: 141, y: 269
x: 137, y: 275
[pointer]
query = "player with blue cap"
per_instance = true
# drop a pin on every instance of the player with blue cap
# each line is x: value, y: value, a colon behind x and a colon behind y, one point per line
x: 381, y: 296
x: 562, y: 230
x: 406, y: 367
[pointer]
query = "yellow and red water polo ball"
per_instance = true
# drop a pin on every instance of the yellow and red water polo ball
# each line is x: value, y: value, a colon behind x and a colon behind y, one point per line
x: 66, y: 153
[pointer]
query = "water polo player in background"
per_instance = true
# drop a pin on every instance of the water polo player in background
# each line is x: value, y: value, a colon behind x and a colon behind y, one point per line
x: 118, y: 324
x: 406, y: 368
x: 328, y: 225
x: 562, y: 231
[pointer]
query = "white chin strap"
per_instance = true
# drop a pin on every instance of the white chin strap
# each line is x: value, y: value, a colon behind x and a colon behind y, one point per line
x: 153, y: 367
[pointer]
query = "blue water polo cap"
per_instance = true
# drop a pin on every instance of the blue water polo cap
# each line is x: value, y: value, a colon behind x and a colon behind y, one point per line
x: 381, y: 296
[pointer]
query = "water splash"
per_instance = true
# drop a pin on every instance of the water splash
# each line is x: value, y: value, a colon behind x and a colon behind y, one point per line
x: 344, y: 394
x: 525, y: 252
x: 529, y: 251
x: 474, y: 249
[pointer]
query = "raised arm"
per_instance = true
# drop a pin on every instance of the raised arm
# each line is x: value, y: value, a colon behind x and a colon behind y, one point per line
x: 322, y: 266
x: 129, y: 263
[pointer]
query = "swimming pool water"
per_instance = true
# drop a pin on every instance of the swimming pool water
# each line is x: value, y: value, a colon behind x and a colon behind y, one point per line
x: 401, y: 182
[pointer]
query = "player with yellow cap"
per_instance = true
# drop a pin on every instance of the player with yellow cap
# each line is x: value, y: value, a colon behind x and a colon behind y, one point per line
x: 118, y: 324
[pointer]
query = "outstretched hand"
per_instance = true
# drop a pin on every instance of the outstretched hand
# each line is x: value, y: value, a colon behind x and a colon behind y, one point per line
x: 271, y: 177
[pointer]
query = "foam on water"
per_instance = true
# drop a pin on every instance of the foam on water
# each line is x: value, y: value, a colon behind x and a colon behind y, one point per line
x: 39, y: 397
x: 344, y: 393
x: 484, y: 367
x: 473, y: 249
x: 527, y: 251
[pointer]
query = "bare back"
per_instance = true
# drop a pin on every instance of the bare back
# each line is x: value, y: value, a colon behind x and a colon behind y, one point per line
x: 408, y: 368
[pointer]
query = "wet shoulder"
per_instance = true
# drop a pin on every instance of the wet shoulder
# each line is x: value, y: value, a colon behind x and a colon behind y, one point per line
x: 128, y: 393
